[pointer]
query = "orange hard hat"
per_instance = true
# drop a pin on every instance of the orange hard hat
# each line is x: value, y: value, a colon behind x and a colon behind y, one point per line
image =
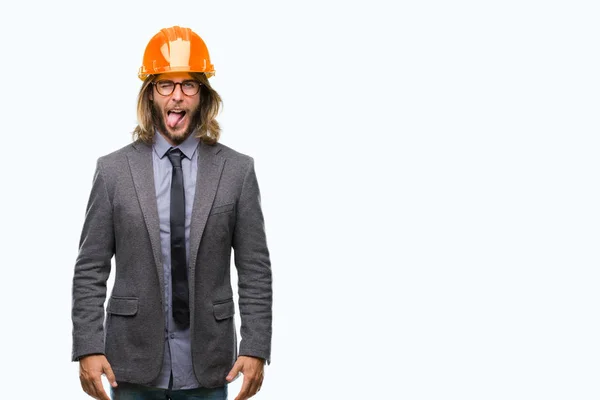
x: 176, y: 49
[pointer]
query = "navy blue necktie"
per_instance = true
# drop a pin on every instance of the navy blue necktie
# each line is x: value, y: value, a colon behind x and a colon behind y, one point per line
x: 179, y: 282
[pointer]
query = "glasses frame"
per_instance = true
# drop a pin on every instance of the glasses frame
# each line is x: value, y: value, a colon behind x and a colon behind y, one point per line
x: 175, y: 85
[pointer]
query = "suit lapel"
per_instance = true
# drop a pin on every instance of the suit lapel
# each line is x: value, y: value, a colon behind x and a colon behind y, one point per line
x: 210, y: 167
x: 142, y: 171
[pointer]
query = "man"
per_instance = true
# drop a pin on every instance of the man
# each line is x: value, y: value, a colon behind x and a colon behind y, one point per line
x: 170, y: 207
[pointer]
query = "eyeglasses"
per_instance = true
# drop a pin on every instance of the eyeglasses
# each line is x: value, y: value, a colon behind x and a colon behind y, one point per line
x: 189, y: 87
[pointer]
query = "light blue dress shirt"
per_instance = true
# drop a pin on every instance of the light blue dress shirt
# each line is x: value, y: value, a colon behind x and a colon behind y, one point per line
x: 178, y: 354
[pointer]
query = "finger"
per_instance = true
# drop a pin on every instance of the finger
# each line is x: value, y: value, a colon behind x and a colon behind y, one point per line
x: 88, y: 387
x: 110, y: 375
x: 237, y: 367
x: 100, y: 393
x: 245, y: 389
x: 254, y: 387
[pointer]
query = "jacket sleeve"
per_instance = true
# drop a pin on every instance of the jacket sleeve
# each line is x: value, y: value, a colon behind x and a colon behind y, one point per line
x: 92, y: 269
x: 252, y: 261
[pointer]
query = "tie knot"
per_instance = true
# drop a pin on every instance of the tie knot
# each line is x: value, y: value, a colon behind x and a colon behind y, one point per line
x: 175, y: 156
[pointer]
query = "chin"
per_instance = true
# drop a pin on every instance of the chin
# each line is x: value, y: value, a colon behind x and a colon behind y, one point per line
x: 178, y: 133
x: 178, y: 136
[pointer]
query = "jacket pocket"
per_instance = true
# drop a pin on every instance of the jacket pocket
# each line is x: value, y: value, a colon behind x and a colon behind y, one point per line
x: 122, y: 306
x: 224, y: 309
x: 222, y: 209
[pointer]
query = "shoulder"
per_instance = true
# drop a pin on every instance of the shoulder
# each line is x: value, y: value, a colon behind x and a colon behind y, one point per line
x: 116, y: 157
x: 113, y: 164
x: 232, y: 156
x: 238, y: 166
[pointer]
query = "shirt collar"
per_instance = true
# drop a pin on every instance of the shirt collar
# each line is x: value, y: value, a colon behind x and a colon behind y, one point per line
x: 188, y: 147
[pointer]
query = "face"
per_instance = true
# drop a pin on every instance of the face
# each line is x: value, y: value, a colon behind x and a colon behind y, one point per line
x: 175, y: 114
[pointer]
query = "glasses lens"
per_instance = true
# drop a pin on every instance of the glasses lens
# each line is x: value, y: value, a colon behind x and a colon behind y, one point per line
x: 190, y: 88
x: 165, y: 88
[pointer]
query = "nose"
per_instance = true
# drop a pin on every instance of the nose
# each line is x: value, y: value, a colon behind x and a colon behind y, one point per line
x: 177, y: 94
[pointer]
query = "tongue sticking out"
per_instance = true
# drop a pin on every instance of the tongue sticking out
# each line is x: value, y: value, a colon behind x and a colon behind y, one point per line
x: 173, y: 118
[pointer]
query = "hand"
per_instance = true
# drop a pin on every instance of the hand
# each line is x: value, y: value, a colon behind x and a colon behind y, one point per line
x: 253, y: 370
x: 91, y: 369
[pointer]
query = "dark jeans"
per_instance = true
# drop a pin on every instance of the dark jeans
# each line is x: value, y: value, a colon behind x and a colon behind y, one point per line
x: 130, y: 391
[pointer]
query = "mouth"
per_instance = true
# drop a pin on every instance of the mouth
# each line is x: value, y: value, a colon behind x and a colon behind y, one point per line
x: 175, y: 118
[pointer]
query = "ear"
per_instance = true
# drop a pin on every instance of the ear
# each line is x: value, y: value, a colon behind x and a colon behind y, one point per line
x: 151, y: 94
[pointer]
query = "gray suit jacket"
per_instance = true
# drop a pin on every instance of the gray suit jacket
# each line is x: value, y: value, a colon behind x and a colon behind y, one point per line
x: 122, y: 220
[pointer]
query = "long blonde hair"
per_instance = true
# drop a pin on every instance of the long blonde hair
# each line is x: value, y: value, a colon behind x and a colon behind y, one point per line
x: 207, y: 128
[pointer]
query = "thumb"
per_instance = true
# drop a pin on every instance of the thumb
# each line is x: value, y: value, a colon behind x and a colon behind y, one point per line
x: 237, y: 367
x: 110, y: 375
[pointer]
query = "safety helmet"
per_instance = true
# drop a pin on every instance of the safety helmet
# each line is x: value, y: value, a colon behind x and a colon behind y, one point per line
x: 176, y: 49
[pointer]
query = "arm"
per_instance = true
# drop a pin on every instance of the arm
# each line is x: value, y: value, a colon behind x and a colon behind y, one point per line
x: 254, y: 271
x: 254, y: 288
x: 92, y: 269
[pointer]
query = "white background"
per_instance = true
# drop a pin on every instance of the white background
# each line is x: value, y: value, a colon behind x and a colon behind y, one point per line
x: 428, y: 169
